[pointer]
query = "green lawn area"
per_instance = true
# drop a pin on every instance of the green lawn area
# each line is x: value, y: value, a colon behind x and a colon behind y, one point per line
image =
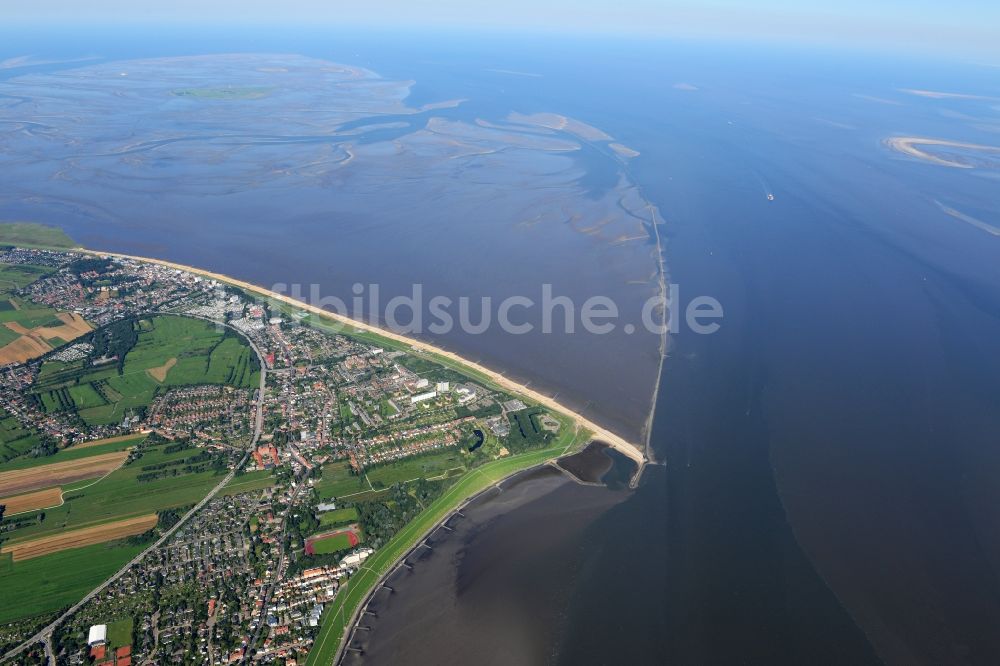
x: 196, y: 351
x: 338, y: 613
x: 48, y: 583
x: 338, y: 517
x: 337, y: 481
x: 421, y: 467
x: 121, y: 495
x: 16, y: 276
x: 120, y: 633
x: 204, y: 354
x: 247, y: 482
x: 31, y: 234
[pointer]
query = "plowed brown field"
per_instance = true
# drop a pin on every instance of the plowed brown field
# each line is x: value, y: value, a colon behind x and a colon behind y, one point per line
x: 87, y: 536
x: 20, y: 481
x: 39, y: 499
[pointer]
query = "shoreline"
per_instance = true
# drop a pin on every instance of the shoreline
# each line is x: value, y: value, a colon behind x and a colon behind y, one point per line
x: 631, y: 450
x: 579, y: 432
x: 351, y: 626
x: 337, y: 625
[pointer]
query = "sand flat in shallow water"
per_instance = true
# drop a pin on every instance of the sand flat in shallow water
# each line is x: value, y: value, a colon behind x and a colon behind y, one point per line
x: 333, y: 178
x: 960, y: 157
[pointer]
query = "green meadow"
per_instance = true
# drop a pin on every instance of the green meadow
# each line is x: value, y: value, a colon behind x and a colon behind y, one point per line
x: 32, y: 234
x: 120, y: 633
x: 50, y: 582
x: 169, y: 351
x: 249, y: 482
x: 426, y: 466
x: 338, y: 517
x: 339, y: 481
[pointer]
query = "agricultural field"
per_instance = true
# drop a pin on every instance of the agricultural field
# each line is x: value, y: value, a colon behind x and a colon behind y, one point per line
x: 161, y: 352
x: 28, y: 329
x: 25, y: 479
x: 48, y: 583
x: 78, y: 451
x: 31, y: 501
x: 163, y: 477
x: 87, y: 536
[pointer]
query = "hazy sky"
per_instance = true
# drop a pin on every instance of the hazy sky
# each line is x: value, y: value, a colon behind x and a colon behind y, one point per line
x: 962, y: 26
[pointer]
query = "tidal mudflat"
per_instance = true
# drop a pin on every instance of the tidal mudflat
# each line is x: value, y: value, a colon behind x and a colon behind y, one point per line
x: 474, y: 593
x: 298, y: 171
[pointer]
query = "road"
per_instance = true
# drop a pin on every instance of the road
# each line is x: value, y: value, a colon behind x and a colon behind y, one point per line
x: 279, y: 574
x: 45, y: 634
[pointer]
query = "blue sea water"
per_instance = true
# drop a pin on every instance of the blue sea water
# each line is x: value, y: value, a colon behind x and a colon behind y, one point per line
x: 829, y: 492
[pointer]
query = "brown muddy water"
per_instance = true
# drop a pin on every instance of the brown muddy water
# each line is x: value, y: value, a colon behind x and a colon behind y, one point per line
x: 493, y: 584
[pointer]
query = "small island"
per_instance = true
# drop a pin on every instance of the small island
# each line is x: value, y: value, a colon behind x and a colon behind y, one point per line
x: 955, y: 154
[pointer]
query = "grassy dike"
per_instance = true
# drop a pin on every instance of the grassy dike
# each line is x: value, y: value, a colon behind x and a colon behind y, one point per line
x: 340, y: 613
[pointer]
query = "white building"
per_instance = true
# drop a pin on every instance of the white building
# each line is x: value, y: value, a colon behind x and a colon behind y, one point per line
x: 442, y: 387
x: 356, y: 558
x: 422, y: 397
x: 97, y: 635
